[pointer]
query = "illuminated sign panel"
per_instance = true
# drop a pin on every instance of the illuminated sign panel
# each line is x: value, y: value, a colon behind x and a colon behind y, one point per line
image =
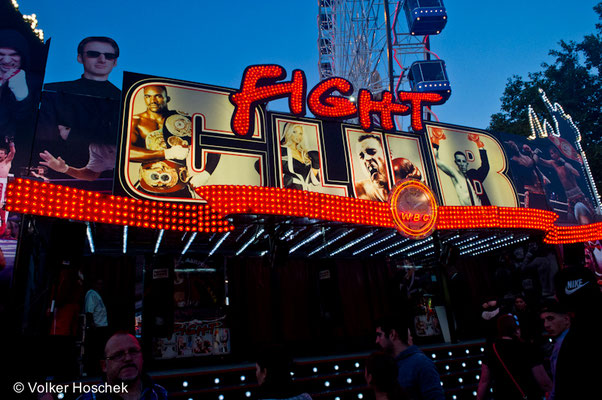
x: 216, y: 151
x: 179, y: 137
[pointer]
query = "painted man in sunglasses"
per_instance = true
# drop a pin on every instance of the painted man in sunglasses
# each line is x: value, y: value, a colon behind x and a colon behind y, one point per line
x: 79, y: 119
x: 122, y: 366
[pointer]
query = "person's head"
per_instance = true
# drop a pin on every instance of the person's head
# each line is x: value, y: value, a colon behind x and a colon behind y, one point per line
x: 460, y: 161
x: 554, y: 153
x: 98, y: 285
x: 507, y: 326
x: 3, y: 153
x: 393, y: 333
x: 156, y: 98
x: 9, y: 58
x: 519, y: 303
x: 381, y: 373
x: 273, y: 367
x: 519, y: 253
x: 526, y: 150
x: 371, y: 153
x: 122, y: 359
x: 555, y: 318
x: 293, y: 135
x: 13, y: 50
x: 98, y: 55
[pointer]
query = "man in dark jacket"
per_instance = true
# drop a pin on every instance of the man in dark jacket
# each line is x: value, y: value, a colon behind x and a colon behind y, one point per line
x: 418, y: 375
x: 580, y: 357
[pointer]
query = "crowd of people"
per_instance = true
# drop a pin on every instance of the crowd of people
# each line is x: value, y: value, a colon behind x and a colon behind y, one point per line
x: 520, y: 360
x: 534, y: 352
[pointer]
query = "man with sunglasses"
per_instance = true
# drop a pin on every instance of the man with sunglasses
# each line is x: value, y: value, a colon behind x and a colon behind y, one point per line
x: 79, y: 119
x: 122, y: 366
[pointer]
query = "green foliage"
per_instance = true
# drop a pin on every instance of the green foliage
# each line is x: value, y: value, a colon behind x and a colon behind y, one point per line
x: 573, y: 80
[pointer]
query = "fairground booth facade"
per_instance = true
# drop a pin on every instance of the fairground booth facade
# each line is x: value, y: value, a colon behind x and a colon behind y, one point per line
x: 221, y: 226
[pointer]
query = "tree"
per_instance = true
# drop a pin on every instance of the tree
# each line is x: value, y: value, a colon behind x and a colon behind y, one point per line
x: 574, y: 80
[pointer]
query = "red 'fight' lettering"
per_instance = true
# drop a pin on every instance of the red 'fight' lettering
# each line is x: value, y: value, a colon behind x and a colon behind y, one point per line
x: 259, y: 84
x: 385, y: 107
x: 323, y: 105
x: 417, y: 101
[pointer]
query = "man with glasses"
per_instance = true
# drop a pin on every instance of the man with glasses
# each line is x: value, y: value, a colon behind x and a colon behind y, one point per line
x: 122, y: 366
x: 79, y: 119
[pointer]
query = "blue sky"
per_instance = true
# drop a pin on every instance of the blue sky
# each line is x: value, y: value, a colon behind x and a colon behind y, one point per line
x: 483, y: 44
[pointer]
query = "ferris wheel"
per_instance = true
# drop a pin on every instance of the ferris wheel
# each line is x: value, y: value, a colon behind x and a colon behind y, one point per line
x: 382, y: 45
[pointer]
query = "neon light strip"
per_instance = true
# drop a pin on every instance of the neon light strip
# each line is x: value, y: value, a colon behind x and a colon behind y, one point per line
x: 307, y: 240
x: 89, y: 235
x: 415, y: 244
x: 218, y: 244
x: 125, y: 239
x: 253, y: 238
x: 466, y: 249
x: 185, y: 249
x: 287, y: 234
x: 352, y: 243
x: 390, y: 246
x: 159, y: 239
x: 375, y: 243
x: 413, y: 253
x: 504, y: 243
x: 40, y: 198
x: 331, y: 241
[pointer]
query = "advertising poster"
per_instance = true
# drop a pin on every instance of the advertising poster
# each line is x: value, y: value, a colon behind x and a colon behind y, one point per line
x: 548, y: 174
x: 78, y: 121
x: 194, y: 338
x: 301, y: 161
x: 199, y: 313
x: 379, y: 161
x: 22, y: 65
x: 176, y: 137
x: 471, y: 168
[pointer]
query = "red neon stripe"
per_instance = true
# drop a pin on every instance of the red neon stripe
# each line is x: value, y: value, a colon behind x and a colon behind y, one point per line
x: 39, y: 198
